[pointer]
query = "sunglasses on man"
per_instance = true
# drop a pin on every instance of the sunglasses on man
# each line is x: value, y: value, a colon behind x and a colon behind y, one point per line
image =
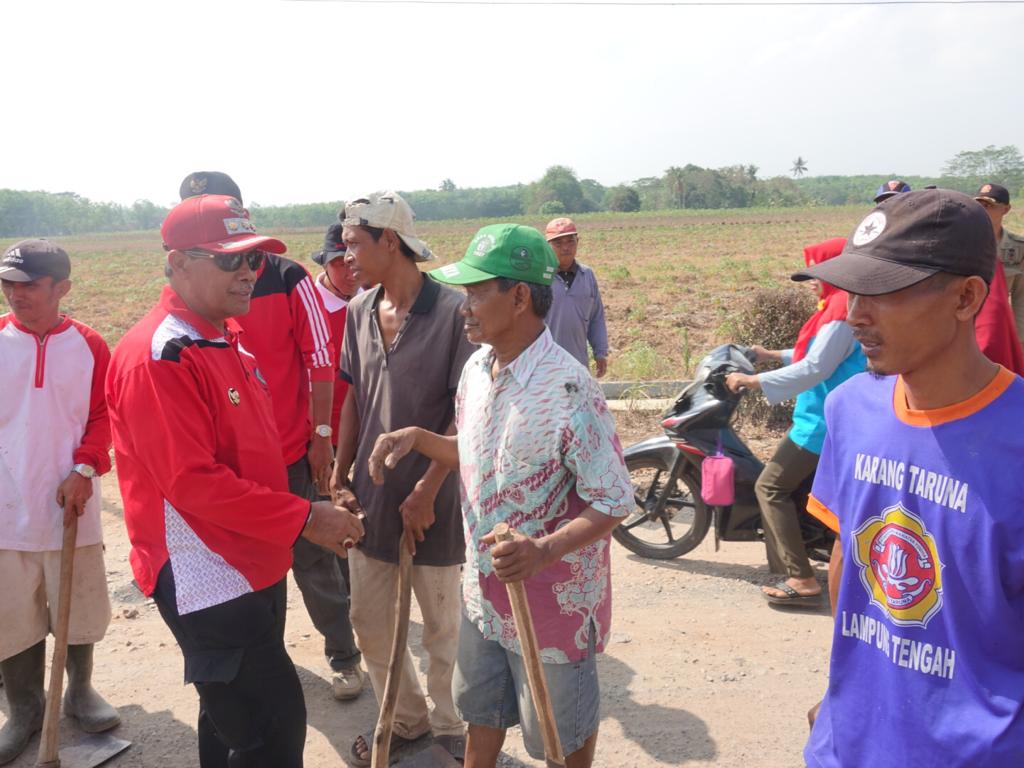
x: 231, y: 262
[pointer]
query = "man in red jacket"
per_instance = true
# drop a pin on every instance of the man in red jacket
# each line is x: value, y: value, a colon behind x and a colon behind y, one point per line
x: 288, y: 330
x: 205, y: 488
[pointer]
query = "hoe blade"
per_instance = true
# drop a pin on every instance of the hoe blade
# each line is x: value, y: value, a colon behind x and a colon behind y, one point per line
x: 434, y: 756
x: 92, y: 751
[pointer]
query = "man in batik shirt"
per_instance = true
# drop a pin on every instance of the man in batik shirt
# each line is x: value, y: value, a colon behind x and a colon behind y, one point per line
x: 538, y: 451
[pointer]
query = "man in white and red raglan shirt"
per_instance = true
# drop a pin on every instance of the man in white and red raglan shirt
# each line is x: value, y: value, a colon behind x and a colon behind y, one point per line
x: 337, y: 286
x: 205, y: 488
x: 288, y: 331
x: 54, y: 444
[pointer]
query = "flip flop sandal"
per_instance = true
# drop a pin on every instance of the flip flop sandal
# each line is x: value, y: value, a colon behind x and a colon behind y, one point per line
x: 400, y: 747
x: 792, y: 596
x: 453, y: 745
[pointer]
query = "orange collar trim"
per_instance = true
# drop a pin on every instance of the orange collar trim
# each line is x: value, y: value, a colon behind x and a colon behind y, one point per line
x: 961, y: 410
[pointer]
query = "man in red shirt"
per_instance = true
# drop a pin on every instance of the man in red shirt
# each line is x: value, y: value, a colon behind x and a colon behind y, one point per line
x: 54, y: 444
x: 288, y: 331
x: 336, y: 287
x: 205, y: 488
x: 996, y: 327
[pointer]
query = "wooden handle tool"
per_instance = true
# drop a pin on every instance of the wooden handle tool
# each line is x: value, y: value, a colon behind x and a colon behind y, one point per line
x: 49, y: 742
x: 381, y: 750
x: 531, y: 660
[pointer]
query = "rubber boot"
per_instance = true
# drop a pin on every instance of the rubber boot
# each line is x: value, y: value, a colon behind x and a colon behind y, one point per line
x: 23, y: 681
x: 81, y: 701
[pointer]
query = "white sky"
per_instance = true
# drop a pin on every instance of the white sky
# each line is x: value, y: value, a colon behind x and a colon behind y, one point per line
x: 315, y: 101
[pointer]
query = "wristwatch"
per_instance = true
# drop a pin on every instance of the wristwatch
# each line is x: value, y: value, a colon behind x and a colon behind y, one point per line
x: 323, y: 430
x: 84, y: 470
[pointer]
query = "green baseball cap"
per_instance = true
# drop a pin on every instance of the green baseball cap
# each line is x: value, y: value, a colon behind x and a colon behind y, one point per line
x: 502, y: 250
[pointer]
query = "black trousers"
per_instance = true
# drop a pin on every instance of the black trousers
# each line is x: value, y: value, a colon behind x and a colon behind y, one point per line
x: 252, y: 713
x: 322, y: 578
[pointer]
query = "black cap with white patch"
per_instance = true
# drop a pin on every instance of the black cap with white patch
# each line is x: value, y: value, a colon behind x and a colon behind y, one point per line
x: 908, y: 238
x: 30, y: 260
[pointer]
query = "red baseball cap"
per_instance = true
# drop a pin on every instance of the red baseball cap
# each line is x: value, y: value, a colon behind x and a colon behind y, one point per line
x: 561, y: 227
x: 216, y: 223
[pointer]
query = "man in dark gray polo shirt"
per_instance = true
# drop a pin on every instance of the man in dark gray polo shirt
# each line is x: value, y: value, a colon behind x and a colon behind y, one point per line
x: 403, y: 353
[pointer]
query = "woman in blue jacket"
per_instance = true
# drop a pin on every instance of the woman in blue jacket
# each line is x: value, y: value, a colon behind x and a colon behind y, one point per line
x: 826, y: 354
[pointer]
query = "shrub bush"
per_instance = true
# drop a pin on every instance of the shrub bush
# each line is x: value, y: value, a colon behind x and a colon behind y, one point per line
x: 551, y: 208
x: 771, y: 317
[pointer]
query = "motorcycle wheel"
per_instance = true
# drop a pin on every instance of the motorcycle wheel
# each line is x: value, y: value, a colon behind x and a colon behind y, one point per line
x: 684, y: 520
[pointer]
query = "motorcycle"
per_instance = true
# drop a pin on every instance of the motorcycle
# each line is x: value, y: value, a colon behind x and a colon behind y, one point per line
x: 670, y: 517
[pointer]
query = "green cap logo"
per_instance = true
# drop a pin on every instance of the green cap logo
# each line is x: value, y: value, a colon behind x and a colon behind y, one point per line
x: 484, y: 244
x: 520, y: 259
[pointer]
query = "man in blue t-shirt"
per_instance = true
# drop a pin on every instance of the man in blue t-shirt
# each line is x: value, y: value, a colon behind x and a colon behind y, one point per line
x: 917, y: 474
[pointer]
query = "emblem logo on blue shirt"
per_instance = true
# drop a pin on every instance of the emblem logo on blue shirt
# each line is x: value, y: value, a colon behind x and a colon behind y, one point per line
x: 899, y: 566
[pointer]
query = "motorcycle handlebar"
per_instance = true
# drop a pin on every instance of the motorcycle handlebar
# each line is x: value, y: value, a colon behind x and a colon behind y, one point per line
x: 722, y: 392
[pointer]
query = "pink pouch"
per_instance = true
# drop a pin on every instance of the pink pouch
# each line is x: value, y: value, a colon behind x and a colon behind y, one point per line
x: 716, y: 480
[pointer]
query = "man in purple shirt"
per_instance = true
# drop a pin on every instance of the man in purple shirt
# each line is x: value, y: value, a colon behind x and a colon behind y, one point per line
x: 917, y: 476
x: 577, y: 313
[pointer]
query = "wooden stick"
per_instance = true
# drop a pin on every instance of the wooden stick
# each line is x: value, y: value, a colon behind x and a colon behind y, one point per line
x: 531, y: 660
x: 50, y: 740
x: 382, y: 733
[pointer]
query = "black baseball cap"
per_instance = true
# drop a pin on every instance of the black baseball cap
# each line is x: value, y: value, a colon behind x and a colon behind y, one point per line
x: 993, y: 193
x: 209, y: 183
x: 334, y: 246
x: 30, y: 260
x: 911, y: 237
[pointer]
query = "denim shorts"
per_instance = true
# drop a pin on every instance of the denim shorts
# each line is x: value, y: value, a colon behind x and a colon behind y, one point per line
x: 491, y: 689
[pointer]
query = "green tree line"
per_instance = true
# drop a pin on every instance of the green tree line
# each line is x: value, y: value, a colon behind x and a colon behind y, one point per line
x: 558, y: 191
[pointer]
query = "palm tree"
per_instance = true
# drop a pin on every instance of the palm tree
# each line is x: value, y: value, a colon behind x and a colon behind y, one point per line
x: 799, y: 166
x: 675, y: 183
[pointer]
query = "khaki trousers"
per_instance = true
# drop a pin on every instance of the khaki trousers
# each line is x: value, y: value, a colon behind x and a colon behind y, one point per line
x: 782, y: 475
x: 374, y: 584
x: 29, y: 586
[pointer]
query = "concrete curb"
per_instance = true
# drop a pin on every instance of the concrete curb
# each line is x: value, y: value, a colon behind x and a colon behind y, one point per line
x: 640, y: 390
x: 648, y: 405
x: 641, y: 395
